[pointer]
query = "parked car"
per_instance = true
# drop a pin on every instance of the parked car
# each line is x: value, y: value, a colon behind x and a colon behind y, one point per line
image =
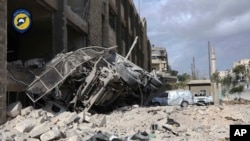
x: 174, y: 97
x: 203, y: 100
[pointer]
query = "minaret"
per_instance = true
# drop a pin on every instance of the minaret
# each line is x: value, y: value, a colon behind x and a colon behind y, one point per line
x: 213, y: 61
x: 209, y: 59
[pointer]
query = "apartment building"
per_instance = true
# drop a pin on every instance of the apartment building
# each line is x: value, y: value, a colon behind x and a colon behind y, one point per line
x: 162, y: 68
x: 58, y: 26
x: 159, y: 59
x: 245, y: 62
x: 223, y: 74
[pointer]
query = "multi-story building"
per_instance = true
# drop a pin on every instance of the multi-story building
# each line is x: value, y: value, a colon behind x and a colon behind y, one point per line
x: 161, y: 67
x: 245, y: 62
x: 3, y: 49
x: 65, y: 25
x: 223, y: 74
x: 159, y: 59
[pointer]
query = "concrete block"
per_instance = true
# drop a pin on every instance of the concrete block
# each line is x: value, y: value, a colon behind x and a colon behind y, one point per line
x: 26, y: 110
x: 54, y: 120
x: 72, y: 117
x: 19, y: 118
x: 14, y: 109
x: 81, y: 117
x: 75, y: 138
x: 103, y: 122
x: 21, y: 138
x: 67, y: 117
x: 35, y: 114
x: 50, y: 135
x: 42, y: 119
x: 7, y: 135
x: 26, y: 125
x: 87, y: 117
x: 39, y: 130
x: 32, y: 139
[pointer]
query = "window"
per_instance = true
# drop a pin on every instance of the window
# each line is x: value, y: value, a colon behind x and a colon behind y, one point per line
x: 112, y: 20
x: 165, y: 94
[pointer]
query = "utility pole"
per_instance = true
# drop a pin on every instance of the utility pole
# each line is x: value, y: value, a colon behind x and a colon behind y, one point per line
x: 193, y: 69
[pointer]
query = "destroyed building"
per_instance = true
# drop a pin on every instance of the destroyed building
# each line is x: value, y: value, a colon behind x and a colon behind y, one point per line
x: 61, y: 26
x: 162, y: 68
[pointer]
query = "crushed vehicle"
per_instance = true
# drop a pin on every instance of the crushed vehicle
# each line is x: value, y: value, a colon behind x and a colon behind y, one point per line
x: 90, y: 77
x: 202, y: 98
x: 173, y: 97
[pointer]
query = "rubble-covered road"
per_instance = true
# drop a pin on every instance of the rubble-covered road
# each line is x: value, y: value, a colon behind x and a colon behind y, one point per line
x: 203, y: 123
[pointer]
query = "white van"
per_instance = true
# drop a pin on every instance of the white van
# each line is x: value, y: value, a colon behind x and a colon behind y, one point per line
x: 174, y: 97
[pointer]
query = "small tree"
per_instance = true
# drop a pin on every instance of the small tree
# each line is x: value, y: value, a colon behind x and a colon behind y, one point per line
x: 174, y: 73
x: 184, y: 77
x: 240, y: 69
x: 227, y: 81
x: 182, y: 80
x: 215, y: 77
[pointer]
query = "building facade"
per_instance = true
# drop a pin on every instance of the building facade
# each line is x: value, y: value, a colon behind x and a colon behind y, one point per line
x: 195, y: 86
x: 223, y: 74
x: 162, y: 68
x: 3, y: 57
x: 159, y: 59
x: 59, y: 26
x: 245, y: 62
x: 65, y: 25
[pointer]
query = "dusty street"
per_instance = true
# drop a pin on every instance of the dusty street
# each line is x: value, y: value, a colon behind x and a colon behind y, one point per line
x: 194, y: 123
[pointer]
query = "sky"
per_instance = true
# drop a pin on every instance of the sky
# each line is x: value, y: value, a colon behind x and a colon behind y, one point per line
x: 184, y: 28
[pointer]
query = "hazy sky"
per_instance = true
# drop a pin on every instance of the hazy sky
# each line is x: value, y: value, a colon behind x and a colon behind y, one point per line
x: 184, y: 28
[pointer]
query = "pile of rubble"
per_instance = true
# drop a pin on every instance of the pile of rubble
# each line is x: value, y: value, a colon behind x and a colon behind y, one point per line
x: 203, y: 123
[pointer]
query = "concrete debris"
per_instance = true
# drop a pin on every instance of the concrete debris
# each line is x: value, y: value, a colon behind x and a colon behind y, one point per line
x: 36, y: 113
x: 25, y: 139
x: 87, y: 117
x: 103, y: 122
x: 14, y: 109
x: 75, y: 138
x: 26, y: 110
x: 169, y: 128
x: 67, y: 117
x: 50, y: 135
x: 26, y: 125
x: 81, y: 117
x: 173, y: 122
x: 104, y: 136
x: 39, y: 130
x: 233, y: 119
x: 137, y: 124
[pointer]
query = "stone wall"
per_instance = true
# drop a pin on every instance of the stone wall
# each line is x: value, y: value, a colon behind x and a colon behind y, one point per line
x: 3, y: 57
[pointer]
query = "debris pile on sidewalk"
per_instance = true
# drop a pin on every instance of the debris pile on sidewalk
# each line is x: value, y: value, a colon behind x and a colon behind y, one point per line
x: 203, y: 123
